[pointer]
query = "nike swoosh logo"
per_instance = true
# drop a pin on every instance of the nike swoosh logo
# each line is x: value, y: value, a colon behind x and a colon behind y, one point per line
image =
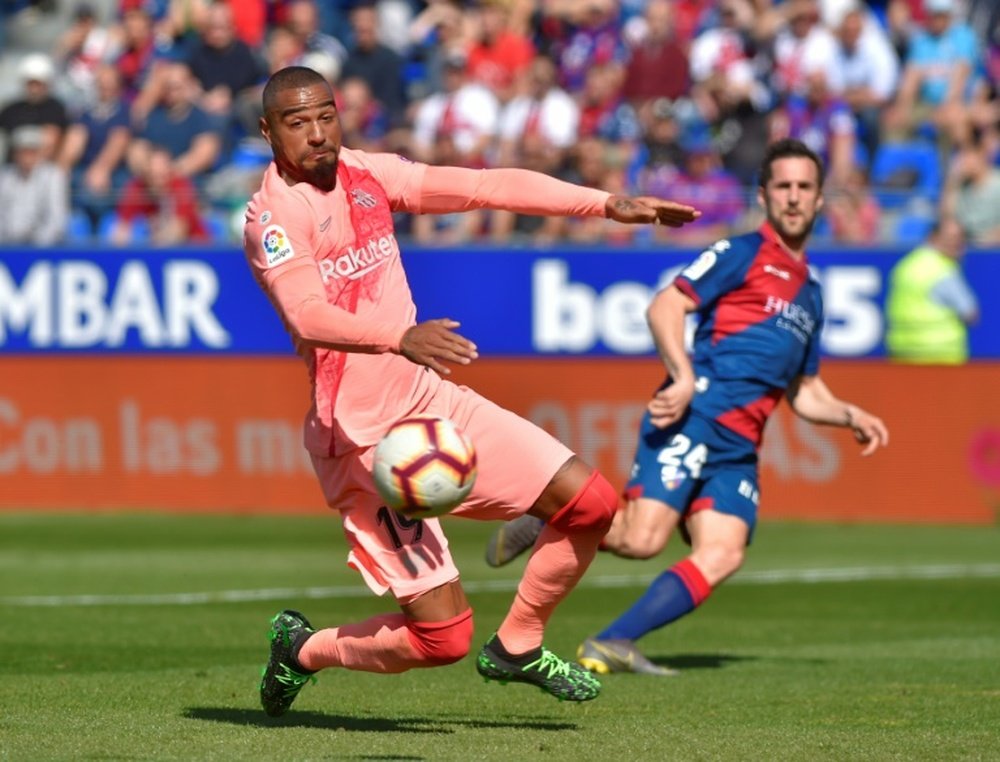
x: 324, y: 225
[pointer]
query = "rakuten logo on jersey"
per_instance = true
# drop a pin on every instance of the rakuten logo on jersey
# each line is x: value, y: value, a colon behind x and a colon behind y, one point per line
x: 354, y: 263
x: 792, y: 317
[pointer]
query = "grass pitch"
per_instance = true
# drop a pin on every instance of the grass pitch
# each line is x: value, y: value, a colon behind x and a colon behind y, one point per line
x: 142, y: 637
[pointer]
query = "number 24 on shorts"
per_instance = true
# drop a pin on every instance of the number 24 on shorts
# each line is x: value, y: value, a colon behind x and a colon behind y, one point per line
x: 680, y: 452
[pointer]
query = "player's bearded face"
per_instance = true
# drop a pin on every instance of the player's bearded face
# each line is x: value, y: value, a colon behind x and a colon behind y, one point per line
x: 306, y: 136
x: 792, y: 198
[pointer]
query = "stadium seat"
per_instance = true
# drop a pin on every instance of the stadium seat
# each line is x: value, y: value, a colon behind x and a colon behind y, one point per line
x: 899, y: 170
x: 912, y: 228
x: 78, y: 229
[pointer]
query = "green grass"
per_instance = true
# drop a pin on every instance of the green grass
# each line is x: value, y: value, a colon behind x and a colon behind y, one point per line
x: 894, y: 668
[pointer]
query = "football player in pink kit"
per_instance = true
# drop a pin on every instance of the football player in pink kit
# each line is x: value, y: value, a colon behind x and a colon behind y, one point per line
x: 319, y: 238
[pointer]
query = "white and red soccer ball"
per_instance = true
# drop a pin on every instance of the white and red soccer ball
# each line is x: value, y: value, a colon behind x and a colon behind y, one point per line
x: 424, y: 466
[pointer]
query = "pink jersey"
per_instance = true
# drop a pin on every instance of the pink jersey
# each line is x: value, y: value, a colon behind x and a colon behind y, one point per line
x: 339, y: 248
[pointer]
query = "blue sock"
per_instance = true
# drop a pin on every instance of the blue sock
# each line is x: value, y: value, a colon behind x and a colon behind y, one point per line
x: 676, y: 592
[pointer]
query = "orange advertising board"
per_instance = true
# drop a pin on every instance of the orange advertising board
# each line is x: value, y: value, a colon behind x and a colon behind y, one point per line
x: 224, y: 434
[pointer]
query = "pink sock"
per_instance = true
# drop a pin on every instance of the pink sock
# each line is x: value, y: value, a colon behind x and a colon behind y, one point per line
x: 558, y: 562
x: 380, y: 644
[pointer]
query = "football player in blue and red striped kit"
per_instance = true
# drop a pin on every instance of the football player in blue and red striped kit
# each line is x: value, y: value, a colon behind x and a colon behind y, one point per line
x: 759, y: 315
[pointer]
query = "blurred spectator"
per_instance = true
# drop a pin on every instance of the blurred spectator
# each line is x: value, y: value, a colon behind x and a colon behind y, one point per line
x: 377, y: 64
x: 703, y: 183
x: 302, y: 19
x: 722, y: 67
x: 870, y: 68
x: 584, y: 34
x: 854, y: 214
x: 659, y: 66
x: 929, y: 304
x: 803, y: 47
x: 436, y: 34
x: 456, y: 126
x: 160, y: 203
x: 937, y: 80
x: 972, y: 192
x: 690, y: 19
x: 658, y: 157
x: 902, y: 19
x: 823, y: 122
x: 34, y: 193
x: 223, y: 65
x: 79, y: 51
x: 728, y: 91
x: 544, y: 114
x: 364, y: 124
x: 37, y: 106
x: 140, y: 54
x: 498, y: 54
x: 250, y: 20
x: 93, y: 152
x: 177, y: 124
x: 604, y: 113
x: 281, y: 49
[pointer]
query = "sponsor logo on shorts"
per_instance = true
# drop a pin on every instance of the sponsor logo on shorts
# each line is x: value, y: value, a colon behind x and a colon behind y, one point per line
x: 276, y: 245
x: 747, y: 490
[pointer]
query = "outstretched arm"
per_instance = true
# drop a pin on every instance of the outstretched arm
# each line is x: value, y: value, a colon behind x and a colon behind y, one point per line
x: 454, y: 189
x: 812, y: 399
x: 666, y: 317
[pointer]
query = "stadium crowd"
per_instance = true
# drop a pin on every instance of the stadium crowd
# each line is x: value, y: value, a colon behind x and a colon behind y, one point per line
x: 135, y: 121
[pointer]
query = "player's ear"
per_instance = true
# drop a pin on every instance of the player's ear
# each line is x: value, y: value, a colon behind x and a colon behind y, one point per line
x: 265, y: 130
x: 761, y: 201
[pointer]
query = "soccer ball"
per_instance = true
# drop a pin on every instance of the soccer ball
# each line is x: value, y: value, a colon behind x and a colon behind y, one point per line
x: 424, y: 466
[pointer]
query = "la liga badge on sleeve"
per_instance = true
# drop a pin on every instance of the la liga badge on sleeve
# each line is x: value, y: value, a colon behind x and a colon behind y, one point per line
x: 276, y: 245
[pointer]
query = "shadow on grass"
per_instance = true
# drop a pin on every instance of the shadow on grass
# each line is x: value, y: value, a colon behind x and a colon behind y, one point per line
x: 257, y: 718
x: 699, y: 661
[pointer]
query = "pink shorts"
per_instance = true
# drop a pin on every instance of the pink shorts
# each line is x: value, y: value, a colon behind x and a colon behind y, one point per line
x: 516, y: 458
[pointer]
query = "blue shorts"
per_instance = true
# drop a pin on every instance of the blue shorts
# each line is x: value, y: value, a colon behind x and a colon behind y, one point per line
x: 696, y: 464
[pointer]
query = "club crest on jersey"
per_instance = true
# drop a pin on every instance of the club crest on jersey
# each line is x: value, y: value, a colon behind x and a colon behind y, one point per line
x: 276, y: 245
x: 265, y: 217
x: 363, y: 198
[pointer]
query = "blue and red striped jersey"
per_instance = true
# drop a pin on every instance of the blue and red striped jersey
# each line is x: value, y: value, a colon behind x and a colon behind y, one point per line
x: 760, y: 314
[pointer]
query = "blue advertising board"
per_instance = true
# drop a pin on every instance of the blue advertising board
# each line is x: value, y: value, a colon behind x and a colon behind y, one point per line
x: 571, y: 302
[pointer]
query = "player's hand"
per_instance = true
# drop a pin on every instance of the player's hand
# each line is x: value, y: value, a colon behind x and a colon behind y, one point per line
x: 668, y: 405
x: 649, y: 210
x: 434, y: 343
x: 868, y: 429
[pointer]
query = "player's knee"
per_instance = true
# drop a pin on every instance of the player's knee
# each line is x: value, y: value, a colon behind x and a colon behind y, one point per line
x: 632, y: 545
x: 718, y: 562
x: 590, y: 510
x: 444, y: 642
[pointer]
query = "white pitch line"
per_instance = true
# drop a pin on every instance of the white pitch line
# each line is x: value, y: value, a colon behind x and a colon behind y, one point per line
x: 765, y: 577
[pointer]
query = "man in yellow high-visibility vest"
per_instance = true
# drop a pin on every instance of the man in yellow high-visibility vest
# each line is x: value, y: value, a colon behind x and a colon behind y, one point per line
x: 929, y: 304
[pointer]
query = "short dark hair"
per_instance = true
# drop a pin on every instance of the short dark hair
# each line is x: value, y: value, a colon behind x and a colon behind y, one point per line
x: 784, y: 149
x: 289, y: 78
